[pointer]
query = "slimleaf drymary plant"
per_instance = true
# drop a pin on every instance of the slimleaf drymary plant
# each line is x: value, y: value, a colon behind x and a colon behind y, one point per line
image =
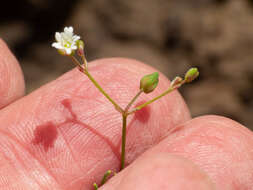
x: 70, y: 45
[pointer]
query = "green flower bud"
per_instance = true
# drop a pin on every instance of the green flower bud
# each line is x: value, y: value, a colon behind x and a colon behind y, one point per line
x: 191, y: 74
x: 149, y: 82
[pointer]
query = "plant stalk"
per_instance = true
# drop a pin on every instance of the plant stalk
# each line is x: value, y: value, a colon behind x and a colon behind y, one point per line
x: 123, y: 141
x: 132, y: 101
x: 117, y: 107
x: 86, y: 72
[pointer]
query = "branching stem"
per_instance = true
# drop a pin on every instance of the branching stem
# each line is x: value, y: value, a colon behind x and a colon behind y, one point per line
x: 133, y: 100
x: 170, y: 89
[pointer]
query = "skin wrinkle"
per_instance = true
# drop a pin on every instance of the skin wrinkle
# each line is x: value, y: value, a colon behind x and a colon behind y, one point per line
x: 28, y: 175
x: 87, y: 96
x: 70, y: 149
x: 179, y: 113
x: 17, y: 132
x: 97, y: 120
x: 26, y: 150
x: 235, y: 125
x: 156, y: 126
x: 221, y: 138
x: 10, y: 163
x: 74, y: 120
x: 36, y: 108
x: 240, y: 157
x: 106, y: 140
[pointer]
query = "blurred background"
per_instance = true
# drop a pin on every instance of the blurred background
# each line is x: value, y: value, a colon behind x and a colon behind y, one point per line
x: 171, y: 35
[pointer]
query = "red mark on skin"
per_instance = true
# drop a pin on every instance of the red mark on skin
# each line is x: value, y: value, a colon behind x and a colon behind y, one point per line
x: 66, y: 103
x: 46, y: 135
x: 143, y: 114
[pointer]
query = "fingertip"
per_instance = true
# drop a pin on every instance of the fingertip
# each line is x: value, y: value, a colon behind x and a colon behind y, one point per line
x: 12, y: 84
x: 161, y: 171
x: 218, y: 145
x: 216, y: 123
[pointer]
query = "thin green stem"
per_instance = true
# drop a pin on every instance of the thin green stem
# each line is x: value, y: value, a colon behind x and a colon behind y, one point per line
x: 77, y: 63
x: 86, y: 72
x: 170, y: 89
x: 123, y: 141
x: 84, y: 61
x: 117, y: 107
x: 133, y: 100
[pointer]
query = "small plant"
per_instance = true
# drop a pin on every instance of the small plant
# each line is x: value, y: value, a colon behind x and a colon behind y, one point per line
x: 71, y: 46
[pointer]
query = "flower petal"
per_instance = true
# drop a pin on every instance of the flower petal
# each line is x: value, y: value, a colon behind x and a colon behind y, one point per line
x: 68, y: 30
x: 57, y: 45
x: 66, y: 40
x: 58, y: 36
x: 68, y: 51
x: 75, y: 38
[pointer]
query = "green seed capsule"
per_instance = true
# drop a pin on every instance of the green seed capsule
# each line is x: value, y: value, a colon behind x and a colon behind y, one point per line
x: 149, y: 82
x: 191, y: 74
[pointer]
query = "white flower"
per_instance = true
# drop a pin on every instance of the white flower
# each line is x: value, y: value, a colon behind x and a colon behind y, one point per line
x: 66, y: 41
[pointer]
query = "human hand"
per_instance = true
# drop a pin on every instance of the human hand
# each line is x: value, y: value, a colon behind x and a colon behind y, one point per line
x: 65, y: 135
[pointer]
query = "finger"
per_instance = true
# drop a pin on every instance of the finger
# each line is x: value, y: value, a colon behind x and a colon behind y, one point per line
x: 160, y: 171
x: 66, y: 134
x: 219, y: 146
x: 12, y: 84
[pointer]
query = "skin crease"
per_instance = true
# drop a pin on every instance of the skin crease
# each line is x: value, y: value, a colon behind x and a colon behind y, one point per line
x: 206, y: 152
